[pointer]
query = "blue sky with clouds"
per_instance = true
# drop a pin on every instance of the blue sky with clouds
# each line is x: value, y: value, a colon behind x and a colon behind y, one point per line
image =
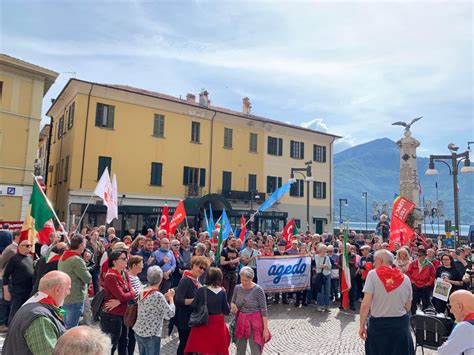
x: 351, y: 68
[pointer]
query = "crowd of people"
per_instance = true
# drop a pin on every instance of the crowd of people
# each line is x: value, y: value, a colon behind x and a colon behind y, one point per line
x: 131, y: 285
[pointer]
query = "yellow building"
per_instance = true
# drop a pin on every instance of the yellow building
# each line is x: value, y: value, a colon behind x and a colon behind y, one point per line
x: 164, y: 149
x: 22, y: 88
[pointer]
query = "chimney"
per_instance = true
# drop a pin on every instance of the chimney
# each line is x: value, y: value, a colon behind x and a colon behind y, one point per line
x: 190, y: 98
x: 204, y: 98
x: 246, y: 105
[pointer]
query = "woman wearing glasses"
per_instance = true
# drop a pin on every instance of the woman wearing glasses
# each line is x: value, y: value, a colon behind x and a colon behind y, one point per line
x: 448, y: 272
x: 185, y: 293
x: 118, y: 291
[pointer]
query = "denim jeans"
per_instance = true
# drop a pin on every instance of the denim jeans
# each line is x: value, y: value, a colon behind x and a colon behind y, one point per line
x: 334, y: 287
x: 19, y: 296
x: 148, y: 345
x: 323, y: 295
x: 95, y: 279
x: 73, y: 314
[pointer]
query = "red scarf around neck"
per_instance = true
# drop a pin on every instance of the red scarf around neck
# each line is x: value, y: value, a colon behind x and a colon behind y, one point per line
x: 70, y: 253
x: 391, y: 278
x: 468, y: 317
x: 51, y: 302
x: 190, y: 276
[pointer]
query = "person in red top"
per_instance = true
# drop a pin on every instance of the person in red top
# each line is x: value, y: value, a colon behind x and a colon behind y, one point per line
x: 422, y: 275
x: 118, y: 291
x: 431, y: 256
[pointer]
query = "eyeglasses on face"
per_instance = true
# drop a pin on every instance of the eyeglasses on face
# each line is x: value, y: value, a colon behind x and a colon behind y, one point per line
x: 203, y: 268
x: 123, y: 258
x: 175, y: 245
x: 26, y: 245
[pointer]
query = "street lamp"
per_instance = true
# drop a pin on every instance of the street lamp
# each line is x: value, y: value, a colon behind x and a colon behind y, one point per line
x: 253, y: 195
x: 341, y: 200
x: 455, y: 158
x: 365, y: 195
x: 308, y: 177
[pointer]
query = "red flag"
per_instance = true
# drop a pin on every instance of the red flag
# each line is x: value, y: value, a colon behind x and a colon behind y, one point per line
x: 243, y: 228
x: 402, y: 207
x: 165, y: 219
x: 288, y: 230
x: 400, y: 233
x: 43, y: 234
x: 178, y: 216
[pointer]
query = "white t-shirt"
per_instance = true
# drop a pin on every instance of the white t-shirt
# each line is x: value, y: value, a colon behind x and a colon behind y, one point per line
x: 387, y: 304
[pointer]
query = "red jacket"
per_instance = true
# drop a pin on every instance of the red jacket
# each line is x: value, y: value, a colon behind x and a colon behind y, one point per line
x: 422, y: 278
x: 117, y: 288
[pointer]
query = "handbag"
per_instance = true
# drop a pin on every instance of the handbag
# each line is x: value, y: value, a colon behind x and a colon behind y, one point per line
x: 96, y: 304
x: 130, y: 315
x: 200, y: 315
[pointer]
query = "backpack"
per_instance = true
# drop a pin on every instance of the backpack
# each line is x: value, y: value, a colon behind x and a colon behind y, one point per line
x: 96, y: 304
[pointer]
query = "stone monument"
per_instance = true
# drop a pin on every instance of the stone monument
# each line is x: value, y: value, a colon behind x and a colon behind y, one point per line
x: 409, y: 182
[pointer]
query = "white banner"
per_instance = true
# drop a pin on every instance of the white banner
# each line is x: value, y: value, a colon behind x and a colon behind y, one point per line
x: 284, y: 273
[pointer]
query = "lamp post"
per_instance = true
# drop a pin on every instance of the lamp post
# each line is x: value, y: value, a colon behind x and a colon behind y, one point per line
x: 308, y: 177
x: 455, y: 158
x: 253, y: 195
x: 365, y: 195
x: 341, y: 200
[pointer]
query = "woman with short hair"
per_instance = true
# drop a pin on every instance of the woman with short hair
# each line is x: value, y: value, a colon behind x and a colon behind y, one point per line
x: 323, y: 277
x: 402, y: 260
x: 185, y: 293
x: 153, y: 307
x: 250, y: 308
x: 213, y: 337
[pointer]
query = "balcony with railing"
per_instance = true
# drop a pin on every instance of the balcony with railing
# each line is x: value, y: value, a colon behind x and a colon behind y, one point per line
x: 193, y: 190
x: 243, y: 195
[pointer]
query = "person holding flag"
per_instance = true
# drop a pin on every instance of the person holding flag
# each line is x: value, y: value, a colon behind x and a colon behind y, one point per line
x: 248, y: 256
x: 347, y: 271
x: 388, y: 297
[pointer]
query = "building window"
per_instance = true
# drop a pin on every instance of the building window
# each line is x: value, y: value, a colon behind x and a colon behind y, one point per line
x: 226, y: 181
x: 319, y: 190
x: 70, y: 117
x: 253, y: 142
x: 298, y: 223
x: 104, y: 116
x: 296, y: 150
x: 60, y: 127
x: 195, y: 132
x: 104, y: 162
x: 228, y: 138
x: 194, y: 176
x: 1, y: 90
x: 159, y: 126
x: 273, y: 183
x: 275, y: 146
x: 319, y: 153
x: 252, y: 182
x: 66, y: 168
x: 297, y: 188
x: 156, y: 174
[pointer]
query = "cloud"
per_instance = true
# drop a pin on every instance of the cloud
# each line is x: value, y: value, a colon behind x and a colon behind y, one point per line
x: 344, y: 143
x: 317, y: 124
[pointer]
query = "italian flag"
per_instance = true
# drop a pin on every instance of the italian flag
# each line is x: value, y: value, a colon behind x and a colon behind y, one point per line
x: 345, y: 273
x: 38, y: 212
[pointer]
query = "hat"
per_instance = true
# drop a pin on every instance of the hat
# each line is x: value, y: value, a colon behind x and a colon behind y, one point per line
x: 282, y: 243
x: 120, y: 246
x: 294, y: 241
x: 422, y: 252
x: 364, y: 247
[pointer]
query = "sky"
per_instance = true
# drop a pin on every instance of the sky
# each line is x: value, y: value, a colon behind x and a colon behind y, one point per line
x: 347, y: 68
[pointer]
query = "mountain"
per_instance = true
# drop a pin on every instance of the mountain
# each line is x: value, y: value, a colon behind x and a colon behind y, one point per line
x: 375, y: 167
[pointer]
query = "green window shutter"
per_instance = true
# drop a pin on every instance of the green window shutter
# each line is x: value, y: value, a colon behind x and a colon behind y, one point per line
x: 269, y: 185
x: 186, y: 175
x: 98, y: 114
x: 324, y: 154
x: 270, y: 146
x: 202, y: 177
x: 103, y: 163
x: 292, y: 149
x: 279, y: 182
x: 301, y: 182
x: 302, y: 150
x: 280, y: 146
x: 324, y: 190
x: 111, y: 117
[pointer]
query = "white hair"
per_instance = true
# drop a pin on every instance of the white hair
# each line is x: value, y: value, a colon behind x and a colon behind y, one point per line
x: 83, y: 340
x: 247, y: 272
x: 386, y: 256
x: 154, y: 275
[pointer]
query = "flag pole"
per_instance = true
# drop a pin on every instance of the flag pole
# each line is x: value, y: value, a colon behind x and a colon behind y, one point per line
x: 251, y: 217
x: 50, y: 205
x: 83, y: 213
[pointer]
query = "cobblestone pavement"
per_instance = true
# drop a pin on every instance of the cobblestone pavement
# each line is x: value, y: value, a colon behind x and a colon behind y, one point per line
x: 301, y: 331
x: 305, y: 331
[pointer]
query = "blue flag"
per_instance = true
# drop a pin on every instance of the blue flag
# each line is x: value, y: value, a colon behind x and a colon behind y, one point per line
x: 225, y: 225
x: 207, y: 221
x: 210, y: 225
x: 276, y: 195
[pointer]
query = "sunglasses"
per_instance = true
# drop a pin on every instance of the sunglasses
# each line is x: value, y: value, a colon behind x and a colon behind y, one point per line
x: 203, y: 268
x: 175, y: 245
x: 27, y: 245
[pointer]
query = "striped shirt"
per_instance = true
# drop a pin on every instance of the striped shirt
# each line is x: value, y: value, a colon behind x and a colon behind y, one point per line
x: 256, y: 301
x: 136, y: 284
